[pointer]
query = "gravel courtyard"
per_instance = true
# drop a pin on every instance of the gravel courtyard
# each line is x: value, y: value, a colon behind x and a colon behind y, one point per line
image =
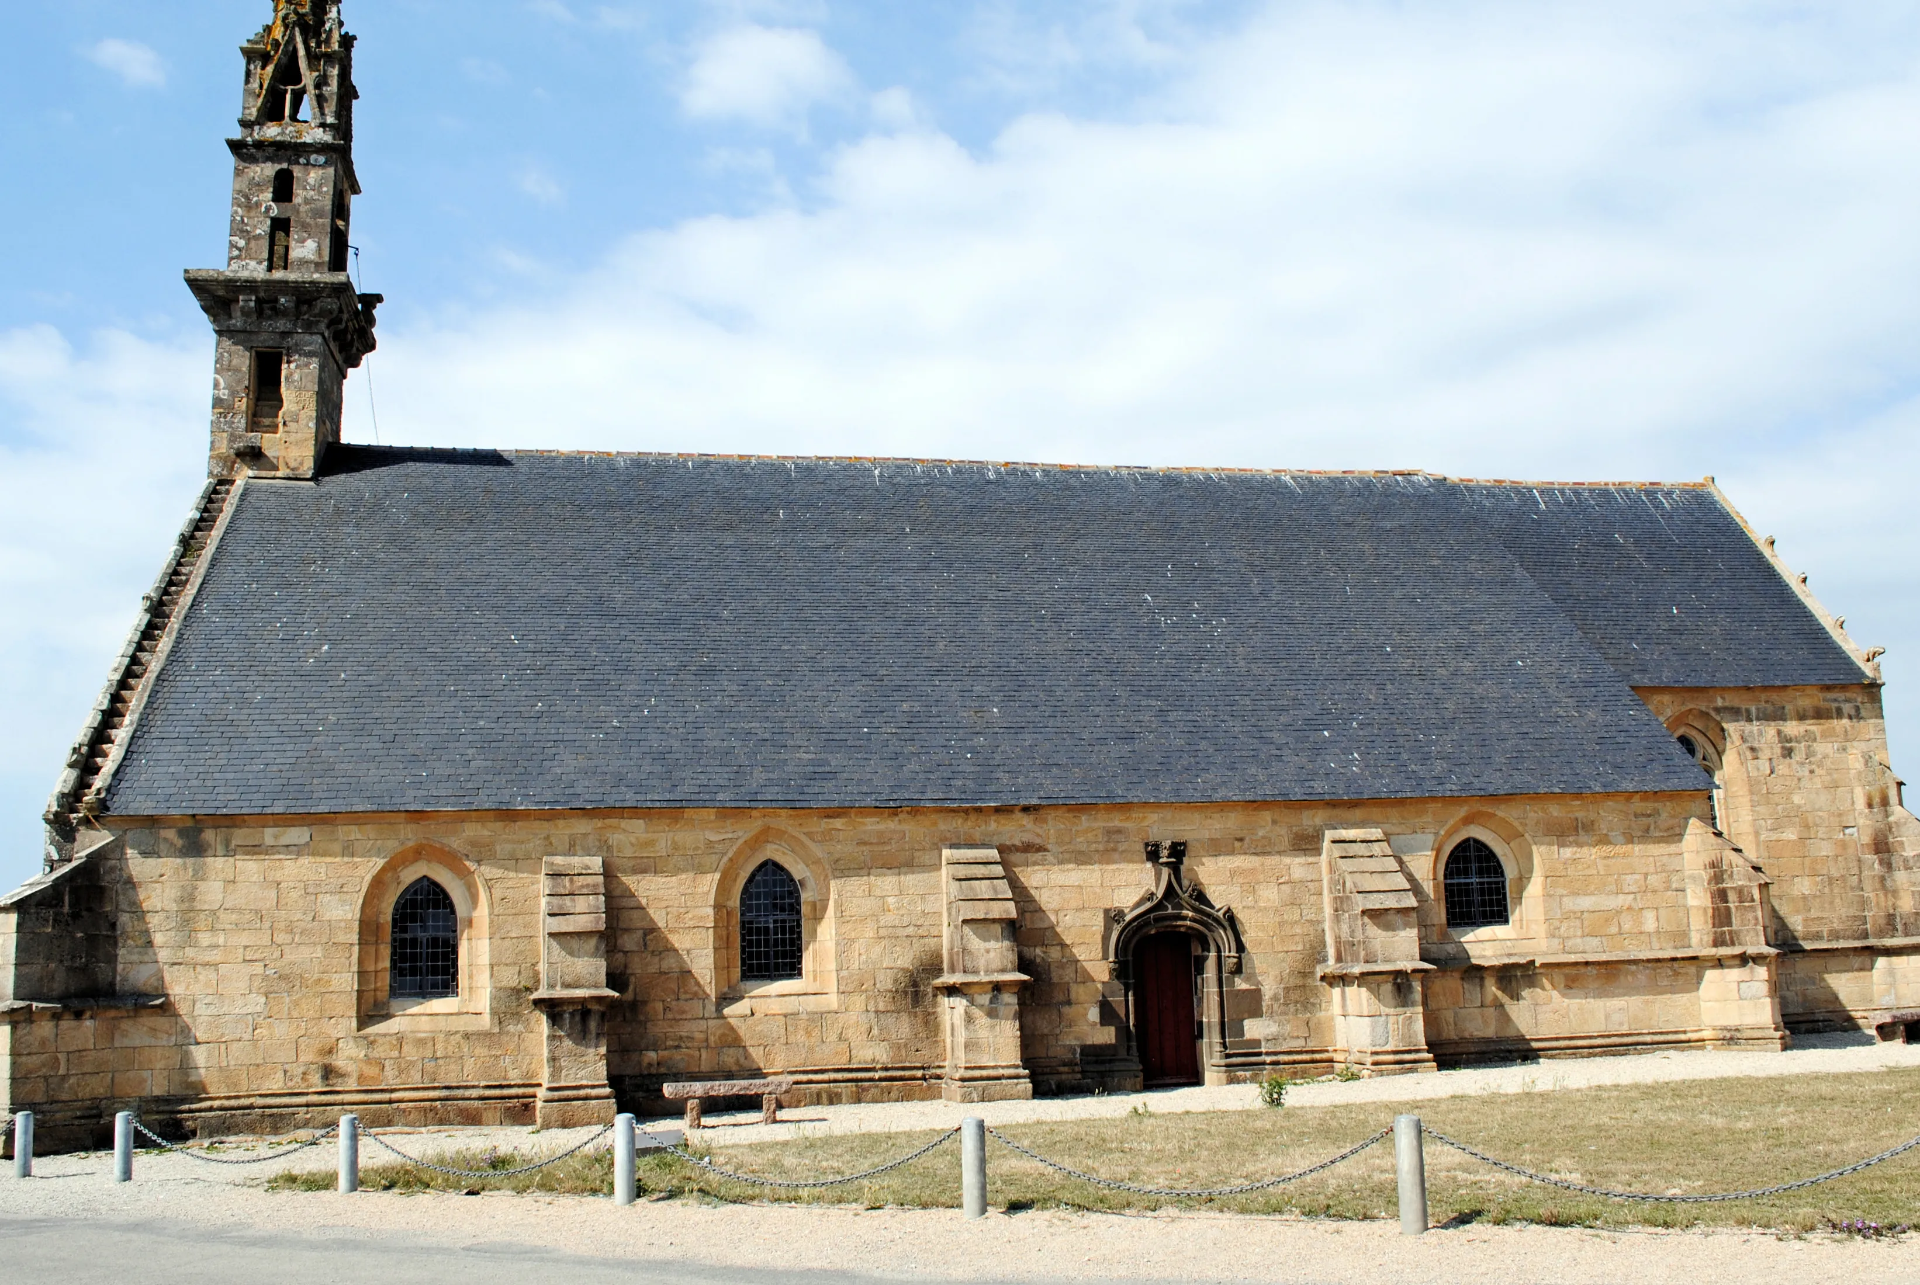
x: 183, y: 1203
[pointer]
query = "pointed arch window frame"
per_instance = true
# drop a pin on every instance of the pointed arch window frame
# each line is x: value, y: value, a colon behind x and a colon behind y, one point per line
x: 378, y: 1009
x: 818, y: 983
x: 423, y: 942
x: 1511, y: 844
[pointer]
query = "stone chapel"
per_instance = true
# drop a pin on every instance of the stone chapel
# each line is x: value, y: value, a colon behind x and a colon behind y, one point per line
x: 494, y: 786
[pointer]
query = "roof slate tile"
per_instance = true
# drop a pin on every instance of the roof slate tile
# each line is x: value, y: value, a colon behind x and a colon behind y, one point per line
x: 438, y: 630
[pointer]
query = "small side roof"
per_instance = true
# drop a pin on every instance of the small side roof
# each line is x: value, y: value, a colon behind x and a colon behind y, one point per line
x: 1665, y: 582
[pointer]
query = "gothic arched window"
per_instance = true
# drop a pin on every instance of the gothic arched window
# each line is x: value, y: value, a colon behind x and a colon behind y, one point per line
x: 769, y: 925
x: 425, y: 959
x: 1701, y: 750
x: 1476, y: 886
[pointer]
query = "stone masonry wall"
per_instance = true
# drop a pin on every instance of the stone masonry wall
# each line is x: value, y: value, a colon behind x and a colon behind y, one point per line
x: 264, y: 941
x: 1810, y: 795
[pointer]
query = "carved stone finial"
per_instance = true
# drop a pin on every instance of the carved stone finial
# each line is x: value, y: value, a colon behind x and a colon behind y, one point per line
x: 1172, y: 854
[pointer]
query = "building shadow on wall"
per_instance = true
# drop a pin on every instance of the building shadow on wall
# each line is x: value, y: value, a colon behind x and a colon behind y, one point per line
x: 95, y: 1030
x: 1060, y: 1068
x: 658, y: 1030
x: 1809, y: 1004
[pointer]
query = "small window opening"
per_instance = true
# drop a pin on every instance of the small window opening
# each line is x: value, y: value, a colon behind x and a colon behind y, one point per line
x: 1702, y: 752
x: 279, y: 244
x: 283, y: 187
x: 337, y: 249
x: 769, y: 925
x: 425, y: 956
x: 286, y: 95
x: 1476, y: 886
x: 268, y: 367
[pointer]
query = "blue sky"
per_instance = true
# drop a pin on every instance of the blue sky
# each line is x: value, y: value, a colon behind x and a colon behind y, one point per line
x: 1492, y: 239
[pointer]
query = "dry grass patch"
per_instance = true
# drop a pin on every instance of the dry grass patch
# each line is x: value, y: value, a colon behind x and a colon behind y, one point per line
x: 1682, y: 1138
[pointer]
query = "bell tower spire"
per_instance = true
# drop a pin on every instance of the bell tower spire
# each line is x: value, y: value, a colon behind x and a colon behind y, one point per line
x: 289, y: 321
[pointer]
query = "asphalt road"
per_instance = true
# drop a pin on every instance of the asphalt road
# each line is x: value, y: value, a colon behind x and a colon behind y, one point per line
x: 90, y: 1252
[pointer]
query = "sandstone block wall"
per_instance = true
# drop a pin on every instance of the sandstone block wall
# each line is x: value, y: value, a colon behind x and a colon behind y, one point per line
x: 1809, y: 794
x: 263, y: 942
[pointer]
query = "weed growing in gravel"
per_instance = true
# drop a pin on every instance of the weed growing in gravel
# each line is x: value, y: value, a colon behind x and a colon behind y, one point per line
x: 1861, y: 1229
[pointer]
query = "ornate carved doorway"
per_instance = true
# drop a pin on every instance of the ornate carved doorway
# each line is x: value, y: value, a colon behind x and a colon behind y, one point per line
x: 1164, y: 997
x: 1173, y: 950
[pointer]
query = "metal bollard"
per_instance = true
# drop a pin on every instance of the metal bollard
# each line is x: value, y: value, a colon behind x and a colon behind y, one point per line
x: 1410, y: 1167
x: 23, y: 1145
x: 123, y: 1147
x: 349, y: 1154
x: 623, y: 1159
x: 973, y: 1166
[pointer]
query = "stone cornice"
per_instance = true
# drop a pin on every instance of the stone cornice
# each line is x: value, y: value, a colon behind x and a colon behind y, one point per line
x: 288, y: 303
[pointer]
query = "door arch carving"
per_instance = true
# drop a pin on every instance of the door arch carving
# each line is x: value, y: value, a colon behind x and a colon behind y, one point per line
x: 1175, y: 907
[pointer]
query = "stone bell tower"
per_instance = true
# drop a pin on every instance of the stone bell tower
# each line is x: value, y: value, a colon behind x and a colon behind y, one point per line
x: 289, y: 321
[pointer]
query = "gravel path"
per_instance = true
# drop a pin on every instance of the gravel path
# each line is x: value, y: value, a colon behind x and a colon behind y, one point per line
x: 1813, y: 1054
x: 186, y: 1198
x: 916, y: 1245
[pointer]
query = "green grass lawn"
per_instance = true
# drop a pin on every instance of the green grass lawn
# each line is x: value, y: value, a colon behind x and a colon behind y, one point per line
x: 1684, y: 1138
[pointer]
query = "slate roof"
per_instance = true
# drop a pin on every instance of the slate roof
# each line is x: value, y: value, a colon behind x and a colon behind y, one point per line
x: 475, y: 630
x: 1665, y: 583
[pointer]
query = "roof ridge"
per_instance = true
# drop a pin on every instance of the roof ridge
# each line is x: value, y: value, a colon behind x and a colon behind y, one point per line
x: 1598, y: 484
x: 939, y: 461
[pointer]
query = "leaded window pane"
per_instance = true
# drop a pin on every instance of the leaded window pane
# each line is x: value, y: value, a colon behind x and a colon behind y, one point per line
x: 1476, y: 886
x: 426, y: 943
x: 769, y: 925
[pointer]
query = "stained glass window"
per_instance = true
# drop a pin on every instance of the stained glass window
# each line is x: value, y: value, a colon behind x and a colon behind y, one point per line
x: 1476, y: 885
x: 769, y: 925
x: 426, y: 943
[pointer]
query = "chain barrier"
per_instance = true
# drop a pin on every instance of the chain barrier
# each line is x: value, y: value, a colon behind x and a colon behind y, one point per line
x: 8, y: 1123
x: 1138, y: 1189
x: 314, y: 1141
x: 1582, y: 1188
x: 489, y: 1173
x: 710, y: 1167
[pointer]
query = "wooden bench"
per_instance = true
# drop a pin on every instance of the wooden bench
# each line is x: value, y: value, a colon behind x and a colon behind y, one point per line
x: 769, y: 1091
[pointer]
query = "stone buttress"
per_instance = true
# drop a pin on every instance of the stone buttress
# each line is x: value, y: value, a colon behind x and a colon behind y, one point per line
x: 1373, y: 955
x: 980, y: 989
x: 574, y: 994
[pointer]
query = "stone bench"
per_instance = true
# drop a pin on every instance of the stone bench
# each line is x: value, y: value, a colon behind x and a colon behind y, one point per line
x: 769, y: 1091
x: 1898, y: 1026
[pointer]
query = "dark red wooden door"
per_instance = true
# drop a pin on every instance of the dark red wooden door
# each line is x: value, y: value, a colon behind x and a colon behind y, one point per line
x: 1163, y: 998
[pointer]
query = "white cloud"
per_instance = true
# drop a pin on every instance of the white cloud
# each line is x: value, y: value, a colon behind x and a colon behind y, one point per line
x: 766, y: 76
x: 894, y: 109
x: 137, y: 65
x: 1030, y: 49
x: 1343, y: 239
x: 101, y: 454
x: 485, y: 71
x: 537, y: 183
